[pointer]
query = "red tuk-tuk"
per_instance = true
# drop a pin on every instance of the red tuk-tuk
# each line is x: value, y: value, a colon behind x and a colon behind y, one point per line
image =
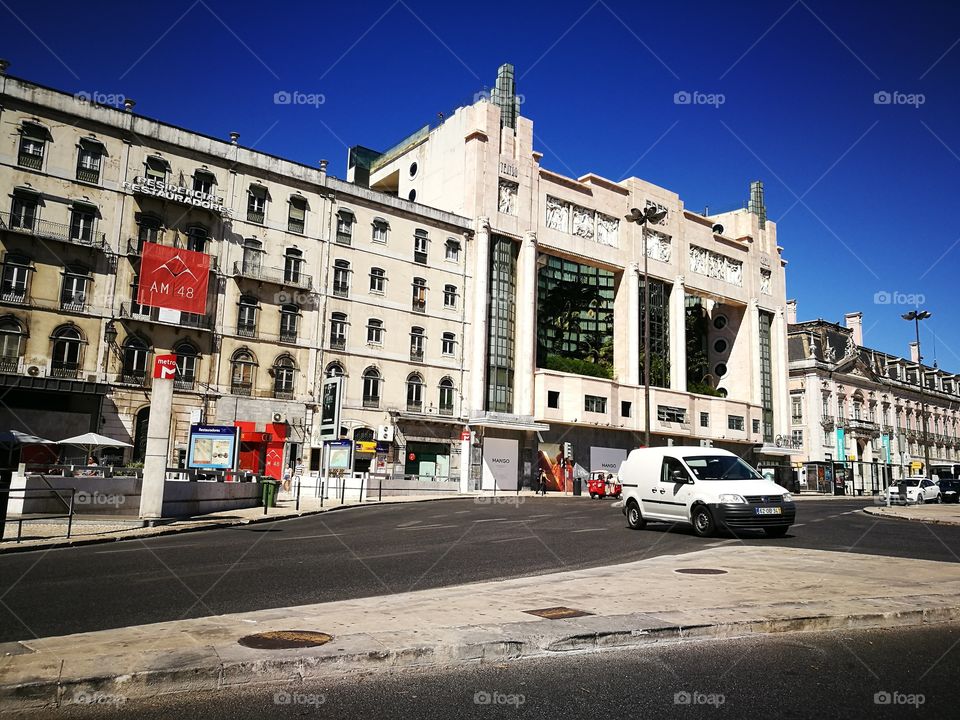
x: 604, y: 484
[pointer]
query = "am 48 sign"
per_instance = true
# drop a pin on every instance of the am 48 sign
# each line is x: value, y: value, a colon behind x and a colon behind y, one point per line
x: 174, y: 278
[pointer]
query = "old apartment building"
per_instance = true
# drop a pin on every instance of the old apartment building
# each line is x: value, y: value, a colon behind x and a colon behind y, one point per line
x: 309, y: 276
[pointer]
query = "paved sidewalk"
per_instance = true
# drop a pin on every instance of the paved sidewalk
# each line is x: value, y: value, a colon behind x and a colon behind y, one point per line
x: 757, y: 589
x: 944, y: 514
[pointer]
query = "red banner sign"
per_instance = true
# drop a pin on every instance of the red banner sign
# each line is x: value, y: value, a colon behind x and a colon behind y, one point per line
x: 174, y: 278
x: 165, y: 367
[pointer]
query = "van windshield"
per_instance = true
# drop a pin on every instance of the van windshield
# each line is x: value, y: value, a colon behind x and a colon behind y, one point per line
x: 721, y: 467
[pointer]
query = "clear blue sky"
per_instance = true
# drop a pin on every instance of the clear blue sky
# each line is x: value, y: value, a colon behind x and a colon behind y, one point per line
x: 877, y: 182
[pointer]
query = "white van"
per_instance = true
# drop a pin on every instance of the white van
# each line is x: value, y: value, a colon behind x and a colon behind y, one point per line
x: 704, y: 487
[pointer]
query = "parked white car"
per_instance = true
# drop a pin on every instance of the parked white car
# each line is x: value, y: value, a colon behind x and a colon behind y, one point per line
x: 706, y: 488
x: 914, y: 491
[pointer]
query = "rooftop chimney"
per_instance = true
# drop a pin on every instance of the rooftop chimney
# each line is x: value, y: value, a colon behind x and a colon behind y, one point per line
x: 915, y: 352
x: 791, y: 312
x: 323, y: 169
x: 854, y: 321
x: 756, y: 204
x: 128, y: 104
x: 234, y: 136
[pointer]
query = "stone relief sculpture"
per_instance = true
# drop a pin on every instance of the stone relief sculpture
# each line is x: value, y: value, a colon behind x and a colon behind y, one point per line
x: 557, y: 214
x: 715, y: 265
x: 766, y: 278
x: 583, y: 222
x: 829, y: 352
x: 608, y: 230
x: 851, y: 348
x: 659, y: 246
x: 813, y: 348
x: 508, y: 197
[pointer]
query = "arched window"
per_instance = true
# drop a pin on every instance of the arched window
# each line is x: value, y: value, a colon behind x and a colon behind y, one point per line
x: 375, y: 331
x: 297, y: 214
x: 371, y: 387
x: 417, y: 343
x: 414, y: 392
x: 244, y: 367
x: 256, y: 203
x: 450, y: 296
x: 247, y: 316
x: 345, y: 221
x: 16, y: 278
x: 66, y: 355
x: 33, y: 142
x: 380, y: 228
x: 448, y: 344
x: 89, y: 158
x: 334, y: 369
x: 203, y: 181
x: 378, y: 280
x: 140, y: 434
x: 135, y: 353
x: 338, y: 331
x: 11, y: 345
x: 446, y: 396
x: 341, y: 278
x: 148, y: 230
x: 187, y: 360
x: 197, y: 238
x: 292, y: 266
x: 73, y: 292
x: 419, y: 295
x: 252, y: 254
x: 83, y: 219
x: 420, y: 243
x: 289, y: 321
x: 284, y: 377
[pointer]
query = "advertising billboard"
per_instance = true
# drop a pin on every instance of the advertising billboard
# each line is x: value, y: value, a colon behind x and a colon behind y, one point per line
x: 330, y: 397
x: 339, y: 455
x: 213, y: 447
x: 606, y: 459
x: 173, y: 278
x: 501, y: 466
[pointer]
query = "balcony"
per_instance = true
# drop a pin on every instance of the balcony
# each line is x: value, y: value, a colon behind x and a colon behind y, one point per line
x: 143, y: 313
x: 47, y: 230
x: 247, y: 331
x: 295, y: 226
x: 88, y: 175
x: 341, y: 290
x: 419, y: 306
x: 371, y: 401
x: 74, y: 303
x: 344, y: 238
x: 184, y: 383
x: 133, y: 377
x: 17, y: 297
x: 416, y: 407
x: 281, y: 394
x: 9, y: 364
x: 277, y: 276
x: 288, y: 336
x: 241, y: 388
x: 446, y: 410
x: 862, y: 427
x: 64, y: 370
x: 416, y: 355
x: 338, y: 343
x: 255, y: 216
x: 33, y: 161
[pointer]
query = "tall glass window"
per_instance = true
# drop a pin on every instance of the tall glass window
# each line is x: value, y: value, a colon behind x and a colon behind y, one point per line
x: 501, y: 323
x: 659, y: 333
x: 766, y: 377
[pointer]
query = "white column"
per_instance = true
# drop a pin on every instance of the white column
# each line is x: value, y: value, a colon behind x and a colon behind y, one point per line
x: 812, y: 415
x: 632, y: 278
x: 158, y: 444
x: 525, y: 349
x: 678, y: 336
x: 465, y: 460
x: 480, y: 298
x: 752, y: 321
x: 780, y: 373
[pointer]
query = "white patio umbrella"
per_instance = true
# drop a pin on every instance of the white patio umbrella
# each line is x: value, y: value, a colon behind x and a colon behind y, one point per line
x: 91, y: 440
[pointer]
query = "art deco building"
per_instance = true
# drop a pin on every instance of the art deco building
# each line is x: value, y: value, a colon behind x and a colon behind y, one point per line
x: 857, y: 412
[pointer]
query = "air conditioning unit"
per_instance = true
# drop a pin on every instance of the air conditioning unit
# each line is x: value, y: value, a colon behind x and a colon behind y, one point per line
x: 36, y: 370
x: 279, y: 417
x: 92, y: 378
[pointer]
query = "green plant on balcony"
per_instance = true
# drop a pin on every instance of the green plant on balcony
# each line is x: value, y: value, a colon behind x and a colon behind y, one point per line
x: 577, y: 366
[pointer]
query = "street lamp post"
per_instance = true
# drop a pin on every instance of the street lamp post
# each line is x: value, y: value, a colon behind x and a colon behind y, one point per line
x: 641, y: 218
x: 916, y: 316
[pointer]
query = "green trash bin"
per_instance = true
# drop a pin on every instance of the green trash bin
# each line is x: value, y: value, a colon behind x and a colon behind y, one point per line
x: 268, y: 492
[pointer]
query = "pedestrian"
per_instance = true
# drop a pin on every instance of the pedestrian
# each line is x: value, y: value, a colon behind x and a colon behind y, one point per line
x: 542, y: 483
x: 286, y: 479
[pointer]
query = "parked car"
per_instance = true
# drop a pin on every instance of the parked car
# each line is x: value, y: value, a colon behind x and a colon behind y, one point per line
x: 914, y: 491
x: 950, y: 490
x: 706, y: 488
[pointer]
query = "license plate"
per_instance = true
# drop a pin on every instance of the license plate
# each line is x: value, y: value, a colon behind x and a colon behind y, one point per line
x: 769, y: 511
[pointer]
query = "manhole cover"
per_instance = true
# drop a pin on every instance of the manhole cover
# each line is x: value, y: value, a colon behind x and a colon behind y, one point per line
x: 701, y: 571
x: 285, y: 639
x: 558, y: 613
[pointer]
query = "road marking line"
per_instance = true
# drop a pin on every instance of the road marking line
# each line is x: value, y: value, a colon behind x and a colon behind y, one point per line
x: 387, y: 555
x: 310, y: 537
x: 408, y: 524
x: 136, y: 549
x: 798, y: 524
x: 462, y: 512
x: 539, y: 516
x: 429, y: 527
x: 513, y: 539
x: 490, y: 520
x: 589, y: 530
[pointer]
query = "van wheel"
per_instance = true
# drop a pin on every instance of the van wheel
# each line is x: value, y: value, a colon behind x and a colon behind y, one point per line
x: 635, y: 519
x: 703, y: 524
x: 919, y: 498
x: 778, y: 531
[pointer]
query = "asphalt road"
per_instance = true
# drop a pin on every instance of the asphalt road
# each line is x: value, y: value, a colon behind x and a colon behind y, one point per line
x: 381, y: 550
x: 857, y: 674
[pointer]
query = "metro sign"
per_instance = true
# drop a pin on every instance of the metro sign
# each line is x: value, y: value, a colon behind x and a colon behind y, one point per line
x: 174, y: 278
x: 165, y: 367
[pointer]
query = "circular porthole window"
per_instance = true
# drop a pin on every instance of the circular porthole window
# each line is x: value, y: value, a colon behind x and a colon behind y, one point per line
x: 720, y: 322
x: 720, y: 370
x: 412, y: 195
x: 413, y: 169
x: 720, y: 346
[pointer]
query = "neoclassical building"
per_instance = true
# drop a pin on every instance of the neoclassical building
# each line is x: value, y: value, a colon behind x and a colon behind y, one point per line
x: 856, y: 412
x: 556, y: 339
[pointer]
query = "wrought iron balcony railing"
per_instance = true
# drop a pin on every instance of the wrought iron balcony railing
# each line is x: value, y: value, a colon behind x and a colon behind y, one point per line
x: 52, y: 231
x: 277, y: 276
x: 152, y: 314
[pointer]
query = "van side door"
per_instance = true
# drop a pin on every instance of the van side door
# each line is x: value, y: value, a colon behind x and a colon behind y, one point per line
x: 671, y: 491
